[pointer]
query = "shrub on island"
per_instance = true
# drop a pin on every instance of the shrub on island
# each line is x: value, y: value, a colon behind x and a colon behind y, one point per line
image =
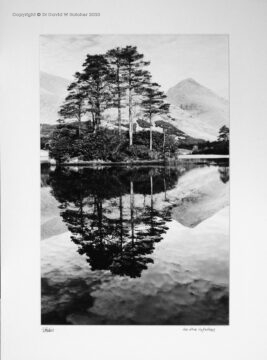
x: 107, y: 145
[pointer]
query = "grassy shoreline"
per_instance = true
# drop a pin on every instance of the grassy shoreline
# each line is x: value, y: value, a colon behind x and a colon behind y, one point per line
x: 138, y: 162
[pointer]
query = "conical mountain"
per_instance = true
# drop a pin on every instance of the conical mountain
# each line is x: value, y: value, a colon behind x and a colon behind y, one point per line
x: 197, y: 110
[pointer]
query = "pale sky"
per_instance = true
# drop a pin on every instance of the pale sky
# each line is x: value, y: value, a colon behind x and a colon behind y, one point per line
x: 173, y: 57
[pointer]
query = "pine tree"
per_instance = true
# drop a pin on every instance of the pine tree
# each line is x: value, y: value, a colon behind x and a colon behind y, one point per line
x: 223, y: 134
x: 116, y: 61
x: 135, y: 77
x: 73, y: 106
x: 95, y: 83
x: 153, y: 104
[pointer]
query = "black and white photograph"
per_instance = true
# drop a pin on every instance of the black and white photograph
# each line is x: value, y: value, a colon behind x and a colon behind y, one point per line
x: 134, y: 179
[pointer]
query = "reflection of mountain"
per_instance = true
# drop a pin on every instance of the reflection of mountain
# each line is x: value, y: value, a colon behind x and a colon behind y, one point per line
x: 120, y: 221
x: 204, y: 194
x: 116, y: 215
x: 188, y: 283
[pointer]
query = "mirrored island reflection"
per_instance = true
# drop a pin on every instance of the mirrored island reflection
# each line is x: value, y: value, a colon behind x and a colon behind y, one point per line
x: 135, y: 245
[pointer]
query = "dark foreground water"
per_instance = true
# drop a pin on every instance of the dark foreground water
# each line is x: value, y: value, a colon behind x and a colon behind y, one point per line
x: 141, y: 245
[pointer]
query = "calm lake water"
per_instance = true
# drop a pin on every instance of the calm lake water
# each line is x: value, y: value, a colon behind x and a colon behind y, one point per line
x: 140, y: 245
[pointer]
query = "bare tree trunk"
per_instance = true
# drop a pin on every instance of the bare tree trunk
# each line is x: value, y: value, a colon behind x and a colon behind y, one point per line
x: 150, y: 140
x: 97, y: 116
x: 132, y: 211
x: 130, y: 107
x: 119, y: 99
x: 151, y: 191
x: 119, y: 118
x: 79, y: 122
x: 93, y: 120
x: 100, y: 217
x: 98, y: 110
x: 121, y: 221
x: 164, y: 139
x: 130, y: 119
x: 151, y: 203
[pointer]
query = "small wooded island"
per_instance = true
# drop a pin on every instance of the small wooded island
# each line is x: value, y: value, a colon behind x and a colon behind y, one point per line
x: 140, y: 122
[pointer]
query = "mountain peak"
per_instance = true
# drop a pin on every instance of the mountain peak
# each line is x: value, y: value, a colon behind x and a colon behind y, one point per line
x: 201, y: 107
x: 189, y: 80
x: 189, y: 88
x: 187, y: 85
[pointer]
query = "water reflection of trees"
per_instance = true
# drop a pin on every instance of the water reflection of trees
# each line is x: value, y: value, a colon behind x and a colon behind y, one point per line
x: 224, y: 173
x: 45, y: 171
x: 109, y: 227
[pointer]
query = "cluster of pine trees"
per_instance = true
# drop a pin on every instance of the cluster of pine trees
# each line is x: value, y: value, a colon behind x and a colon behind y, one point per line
x: 119, y: 78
